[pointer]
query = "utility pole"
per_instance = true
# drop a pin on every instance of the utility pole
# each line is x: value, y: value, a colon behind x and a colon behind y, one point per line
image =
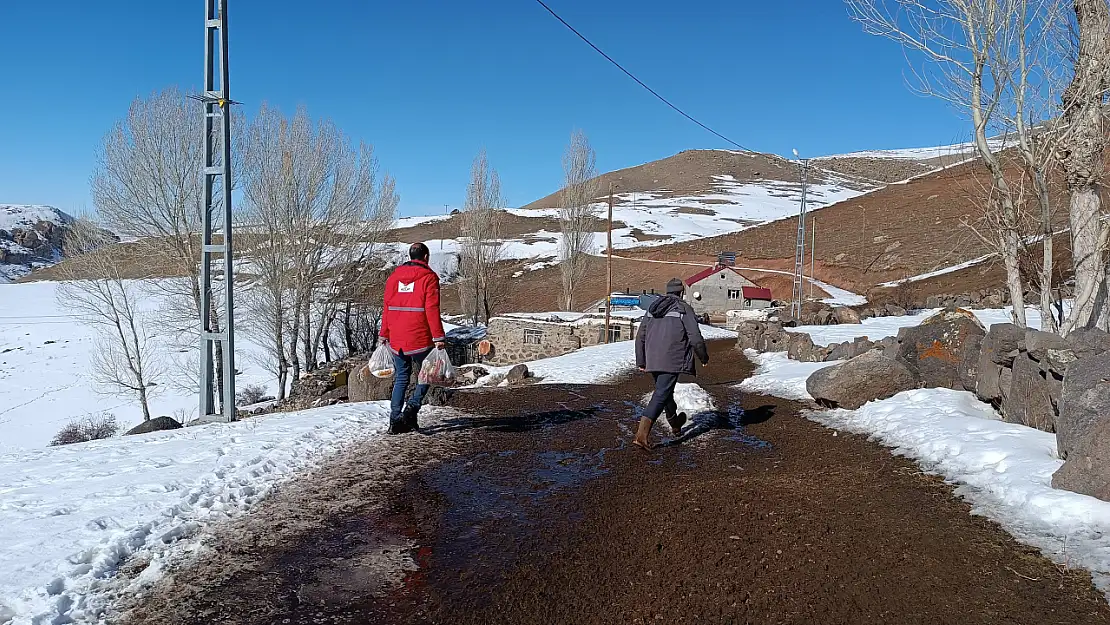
x: 800, y: 250
x: 217, y: 105
x: 609, y: 265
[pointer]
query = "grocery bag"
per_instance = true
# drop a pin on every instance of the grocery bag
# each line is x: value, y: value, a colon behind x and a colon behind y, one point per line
x: 381, y: 362
x: 437, y: 369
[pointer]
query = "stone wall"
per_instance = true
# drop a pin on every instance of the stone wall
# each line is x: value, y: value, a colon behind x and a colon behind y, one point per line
x: 506, y: 336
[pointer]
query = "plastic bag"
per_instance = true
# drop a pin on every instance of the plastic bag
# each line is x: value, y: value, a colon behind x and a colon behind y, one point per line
x: 437, y: 369
x: 381, y: 362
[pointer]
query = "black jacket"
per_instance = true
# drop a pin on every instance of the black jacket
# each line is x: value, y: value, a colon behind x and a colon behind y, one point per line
x: 669, y: 338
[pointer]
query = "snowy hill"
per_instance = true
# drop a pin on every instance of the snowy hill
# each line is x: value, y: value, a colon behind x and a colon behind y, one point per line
x: 30, y: 238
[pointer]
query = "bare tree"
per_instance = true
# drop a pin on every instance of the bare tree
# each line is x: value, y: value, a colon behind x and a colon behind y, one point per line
x: 965, y: 46
x: 94, y: 289
x: 148, y: 185
x: 1082, y: 157
x: 314, y: 211
x: 480, y: 246
x: 577, y: 215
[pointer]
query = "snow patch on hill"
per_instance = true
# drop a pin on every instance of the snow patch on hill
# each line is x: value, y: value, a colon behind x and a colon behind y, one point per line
x: 30, y: 238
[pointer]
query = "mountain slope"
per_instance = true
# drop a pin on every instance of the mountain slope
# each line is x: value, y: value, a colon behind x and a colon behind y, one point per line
x: 30, y: 238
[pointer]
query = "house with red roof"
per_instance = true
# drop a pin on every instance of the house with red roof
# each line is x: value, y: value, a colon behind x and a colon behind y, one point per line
x: 719, y: 289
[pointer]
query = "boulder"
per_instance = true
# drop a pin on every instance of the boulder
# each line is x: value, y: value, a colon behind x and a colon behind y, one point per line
x: 862, y: 379
x: 845, y: 315
x: 849, y: 350
x: 749, y: 333
x: 438, y: 396
x: 1028, y: 401
x: 1084, y: 403
x: 968, y: 368
x: 940, y: 347
x: 988, y: 385
x: 1085, y: 343
x: 362, y: 386
x: 1039, y: 344
x: 1002, y: 343
x: 313, y: 384
x: 1087, y: 469
x: 895, y: 311
x: 802, y: 349
x: 517, y: 375
x: 157, y: 424
x: 933, y: 301
x: 337, y: 394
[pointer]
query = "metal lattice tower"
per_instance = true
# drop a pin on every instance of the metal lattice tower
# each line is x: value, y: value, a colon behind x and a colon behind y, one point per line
x: 800, y: 251
x: 217, y: 337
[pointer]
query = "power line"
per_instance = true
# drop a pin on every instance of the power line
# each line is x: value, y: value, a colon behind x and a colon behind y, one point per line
x: 640, y: 82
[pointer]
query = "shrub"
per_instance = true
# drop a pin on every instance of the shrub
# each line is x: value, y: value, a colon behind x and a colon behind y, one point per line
x: 90, y: 428
x: 251, y: 394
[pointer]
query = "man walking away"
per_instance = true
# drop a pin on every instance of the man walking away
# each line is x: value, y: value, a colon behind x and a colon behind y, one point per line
x: 411, y: 326
x: 666, y: 344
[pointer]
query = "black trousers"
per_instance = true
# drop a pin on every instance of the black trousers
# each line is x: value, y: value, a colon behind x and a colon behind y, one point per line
x: 662, y: 400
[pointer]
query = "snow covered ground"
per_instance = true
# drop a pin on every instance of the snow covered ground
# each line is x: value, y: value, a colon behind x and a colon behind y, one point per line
x: 1003, y: 469
x: 920, y: 154
x: 45, y: 355
x: 71, y: 515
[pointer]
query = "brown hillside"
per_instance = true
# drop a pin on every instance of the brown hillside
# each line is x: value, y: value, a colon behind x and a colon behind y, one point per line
x: 899, y: 231
x: 692, y: 171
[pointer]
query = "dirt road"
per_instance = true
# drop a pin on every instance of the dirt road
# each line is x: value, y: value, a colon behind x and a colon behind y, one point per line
x: 529, y: 506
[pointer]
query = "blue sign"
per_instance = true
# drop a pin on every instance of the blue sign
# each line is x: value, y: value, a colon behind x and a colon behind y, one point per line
x: 624, y: 300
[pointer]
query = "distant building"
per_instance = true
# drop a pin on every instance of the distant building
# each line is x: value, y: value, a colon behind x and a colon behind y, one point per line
x: 625, y: 302
x: 720, y: 289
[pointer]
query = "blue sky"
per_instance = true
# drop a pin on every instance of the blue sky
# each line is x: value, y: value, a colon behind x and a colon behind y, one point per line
x: 429, y: 83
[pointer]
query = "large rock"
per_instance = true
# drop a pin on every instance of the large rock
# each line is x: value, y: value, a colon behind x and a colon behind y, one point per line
x: 850, y: 349
x: 1002, y: 343
x: 517, y: 375
x: 1088, y: 342
x: 968, y: 368
x: 157, y: 424
x: 802, y: 349
x: 939, y: 350
x: 860, y: 380
x: 1084, y: 403
x: 1029, y: 400
x: 362, y: 386
x: 1087, y: 470
x: 846, y: 315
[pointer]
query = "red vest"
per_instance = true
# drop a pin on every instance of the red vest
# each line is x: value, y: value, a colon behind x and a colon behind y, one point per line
x: 410, y: 318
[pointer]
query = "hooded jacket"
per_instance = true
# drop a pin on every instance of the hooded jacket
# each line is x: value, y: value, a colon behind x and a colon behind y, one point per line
x: 669, y: 338
x: 410, y: 316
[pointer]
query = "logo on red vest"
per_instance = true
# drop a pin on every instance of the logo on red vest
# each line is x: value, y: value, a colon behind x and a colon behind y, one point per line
x: 406, y: 288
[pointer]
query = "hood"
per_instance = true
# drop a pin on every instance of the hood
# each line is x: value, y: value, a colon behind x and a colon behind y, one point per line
x: 663, y: 305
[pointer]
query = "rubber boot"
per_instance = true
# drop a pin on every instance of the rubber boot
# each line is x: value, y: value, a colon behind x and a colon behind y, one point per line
x: 396, y: 425
x: 676, y: 422
x: 408, y: 418
x: 643, y: 434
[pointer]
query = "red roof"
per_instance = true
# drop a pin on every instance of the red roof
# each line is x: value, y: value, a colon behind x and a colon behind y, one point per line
x: 754, y: 292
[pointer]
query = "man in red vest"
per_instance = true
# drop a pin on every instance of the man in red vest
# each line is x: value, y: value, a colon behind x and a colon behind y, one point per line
x: 412, y: 327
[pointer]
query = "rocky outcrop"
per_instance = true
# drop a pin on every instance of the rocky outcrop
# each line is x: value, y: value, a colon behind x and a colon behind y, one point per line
x: 30, y: 237
x: 1083, y: 428
x: 943, y: 350
x: 864, y: 378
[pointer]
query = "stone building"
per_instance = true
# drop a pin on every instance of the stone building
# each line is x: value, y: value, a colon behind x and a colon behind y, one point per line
x: 720, y: 289
x: 520, y: 338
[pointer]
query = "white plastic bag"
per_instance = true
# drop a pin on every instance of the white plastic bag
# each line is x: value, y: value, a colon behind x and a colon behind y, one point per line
x: 437, y: 369
x: 381, y: 362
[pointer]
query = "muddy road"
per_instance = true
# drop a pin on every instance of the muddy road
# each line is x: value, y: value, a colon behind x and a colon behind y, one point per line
x: 531, y: 506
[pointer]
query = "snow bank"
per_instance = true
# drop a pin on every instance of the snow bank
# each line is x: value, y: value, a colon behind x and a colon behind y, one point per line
x: 777, y: 375
x: 71, y: 515
x: 1004, y: 470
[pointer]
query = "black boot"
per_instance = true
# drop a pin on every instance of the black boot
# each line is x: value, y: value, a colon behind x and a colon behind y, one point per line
x: 676, y: 422
x: 408, y: 417
x: 397, y: 425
